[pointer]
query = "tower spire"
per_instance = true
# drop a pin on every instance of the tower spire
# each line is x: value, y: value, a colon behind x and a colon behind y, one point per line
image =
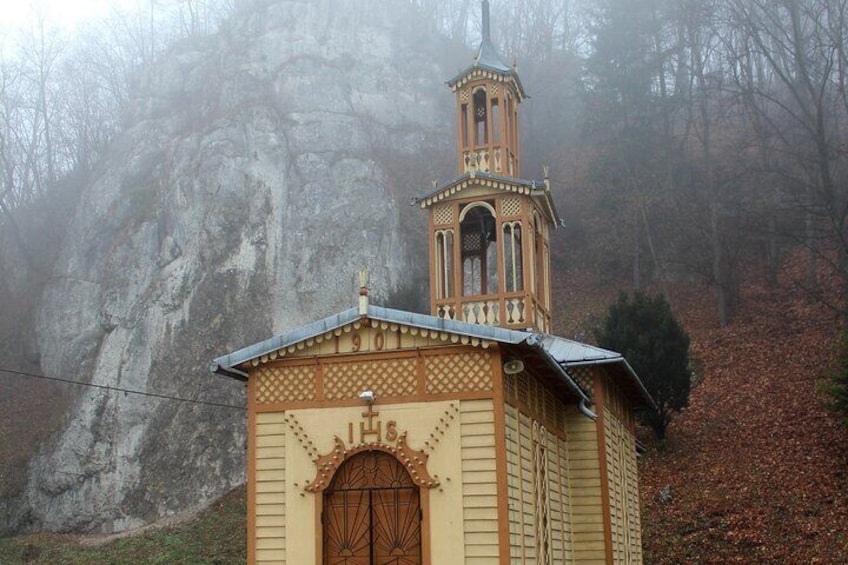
x: 486, y: 29
x: 487, y: 55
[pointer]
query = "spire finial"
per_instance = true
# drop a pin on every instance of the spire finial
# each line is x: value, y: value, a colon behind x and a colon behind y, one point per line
x: 486, y: 36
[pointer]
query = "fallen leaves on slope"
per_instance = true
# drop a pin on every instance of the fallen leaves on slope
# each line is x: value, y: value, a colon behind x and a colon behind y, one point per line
x: 756, y: 464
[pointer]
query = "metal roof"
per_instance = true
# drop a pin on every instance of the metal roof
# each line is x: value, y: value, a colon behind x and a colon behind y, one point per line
x: 557, y: 351
x: 487, y: 57
x: 533, y: 185
x: 535, y: 188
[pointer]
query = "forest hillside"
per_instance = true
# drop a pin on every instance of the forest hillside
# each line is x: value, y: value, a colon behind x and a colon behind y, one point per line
x: 195, y: 176
x: 754, y: 471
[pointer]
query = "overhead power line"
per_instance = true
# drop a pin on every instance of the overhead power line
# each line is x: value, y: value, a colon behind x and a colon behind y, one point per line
x: 119, y: 389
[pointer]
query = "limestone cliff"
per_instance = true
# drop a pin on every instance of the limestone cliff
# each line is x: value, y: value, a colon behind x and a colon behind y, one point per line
x: 254, y: 178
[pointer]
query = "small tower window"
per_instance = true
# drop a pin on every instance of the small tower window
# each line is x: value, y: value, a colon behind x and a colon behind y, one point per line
x: 464, y: 125
x: 481, y: 123
x: 539, y: 241
x: 444, y: 263
x: 479, y: 251
x: 513, y: 272
x: 496, y: 121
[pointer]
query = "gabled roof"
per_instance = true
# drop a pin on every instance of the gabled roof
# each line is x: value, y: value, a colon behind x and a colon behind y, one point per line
x: 536, y: 188
x: 558, y: 353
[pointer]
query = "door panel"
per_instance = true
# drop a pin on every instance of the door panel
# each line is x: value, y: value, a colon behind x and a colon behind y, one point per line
x: 347, y: 532
x: 372, y: 513
x: 397, y: 527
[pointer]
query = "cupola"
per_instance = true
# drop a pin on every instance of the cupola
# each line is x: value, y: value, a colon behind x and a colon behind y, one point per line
x: 489, y: 228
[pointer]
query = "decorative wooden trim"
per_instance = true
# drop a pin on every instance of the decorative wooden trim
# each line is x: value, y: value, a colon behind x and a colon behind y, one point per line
x: 421, y: 373
x: 251, y: 472
x: 600, y: 427
x: 348, y: 402
x: 499, y: 403
x: 431, y: 249
x: 414, y: 460
x: 519, y: 447
x: 424, y: 500
x: 319, y: 380
x: 319, y: 529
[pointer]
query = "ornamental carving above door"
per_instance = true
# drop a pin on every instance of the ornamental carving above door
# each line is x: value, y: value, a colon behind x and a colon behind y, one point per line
x: 372, y: 513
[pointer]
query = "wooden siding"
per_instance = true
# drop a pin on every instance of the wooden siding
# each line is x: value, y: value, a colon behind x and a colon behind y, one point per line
x: 587, y: 511
x: 524, y: 535
x: 560, y: 501
x: 625, y: 524
x: 522, y: 523
x: 479, y: 482
x: 270, y: 488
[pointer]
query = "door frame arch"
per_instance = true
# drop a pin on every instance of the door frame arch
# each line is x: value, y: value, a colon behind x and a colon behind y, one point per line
x: 423, y: 500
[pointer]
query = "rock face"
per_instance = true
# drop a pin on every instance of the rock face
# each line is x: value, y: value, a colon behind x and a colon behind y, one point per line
x: 250, y: 186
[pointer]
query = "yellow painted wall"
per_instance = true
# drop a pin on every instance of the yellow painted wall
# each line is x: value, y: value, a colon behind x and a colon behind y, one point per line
x: 462, y: 509
x: 523, y: 504
x: 270, y: 518
x: 622, y: 476
x: 560, y: 501
x: 587, y: 512
x: 479, y: 484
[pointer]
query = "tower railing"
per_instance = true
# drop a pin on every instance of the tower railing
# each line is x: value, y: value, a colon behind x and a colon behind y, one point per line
x: 516, y: 310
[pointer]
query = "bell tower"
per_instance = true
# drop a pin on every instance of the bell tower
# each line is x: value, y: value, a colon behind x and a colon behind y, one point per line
x: 487, y: 97
x: 489, y: 228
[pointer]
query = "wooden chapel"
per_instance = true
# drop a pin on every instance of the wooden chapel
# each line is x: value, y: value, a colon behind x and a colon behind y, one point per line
x: 468, y: 436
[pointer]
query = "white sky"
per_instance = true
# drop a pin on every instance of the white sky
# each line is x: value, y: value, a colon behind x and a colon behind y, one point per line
x: 61, y: 13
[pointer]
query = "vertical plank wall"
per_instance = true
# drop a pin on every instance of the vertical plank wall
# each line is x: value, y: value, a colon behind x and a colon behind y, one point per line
x: 522, y: 498
x: 519, y: 468
x: 587, y: 510
x: 560, y: 501
x: 625, y: 524
x: 479, y: 482
x: 270, y: 509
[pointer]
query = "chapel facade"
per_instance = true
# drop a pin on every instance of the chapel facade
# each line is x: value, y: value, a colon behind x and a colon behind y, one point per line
x: 467, y: 436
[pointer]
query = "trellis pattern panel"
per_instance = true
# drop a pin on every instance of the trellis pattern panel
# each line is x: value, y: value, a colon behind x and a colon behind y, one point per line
x: 285, y: 384
x: 386, y: 377
x: 462, y: 372
x: 443, y: 214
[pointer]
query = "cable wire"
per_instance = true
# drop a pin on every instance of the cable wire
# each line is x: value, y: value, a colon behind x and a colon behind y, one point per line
x: 124, y: 390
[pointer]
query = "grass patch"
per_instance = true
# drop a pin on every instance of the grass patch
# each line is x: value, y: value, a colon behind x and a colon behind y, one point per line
x: 215, y: 537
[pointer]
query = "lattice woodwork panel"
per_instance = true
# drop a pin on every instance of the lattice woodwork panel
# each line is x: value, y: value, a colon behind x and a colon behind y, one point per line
x: 493, y: 90
x: 464, y: 94
x: 511, y: 206
x: 463, y: 372
x: 443, y: 214
x: 472, y: 242
x: 585, y: 379
x: 285, y: 384
x: 390, y: 377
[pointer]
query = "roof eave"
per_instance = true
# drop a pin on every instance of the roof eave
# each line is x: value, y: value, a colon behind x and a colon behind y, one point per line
x: 536, y: 187
x: 508, y: 73
x: 649, y: 400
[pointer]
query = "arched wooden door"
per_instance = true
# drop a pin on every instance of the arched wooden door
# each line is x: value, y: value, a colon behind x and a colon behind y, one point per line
x: 372, y: 513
